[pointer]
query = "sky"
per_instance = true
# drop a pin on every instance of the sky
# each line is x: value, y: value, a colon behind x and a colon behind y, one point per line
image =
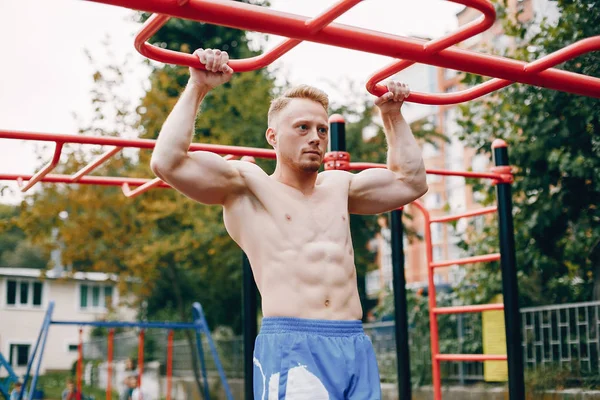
x: 46, y: 77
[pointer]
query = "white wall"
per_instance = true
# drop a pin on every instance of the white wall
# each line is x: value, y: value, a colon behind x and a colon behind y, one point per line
x: 22, y: 325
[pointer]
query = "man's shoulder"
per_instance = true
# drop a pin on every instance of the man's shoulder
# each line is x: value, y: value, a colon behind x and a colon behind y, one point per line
x: 334, y: 176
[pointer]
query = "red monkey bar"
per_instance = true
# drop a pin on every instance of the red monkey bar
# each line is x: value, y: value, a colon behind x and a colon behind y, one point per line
x: 321, y: 29
x: 82, y: 177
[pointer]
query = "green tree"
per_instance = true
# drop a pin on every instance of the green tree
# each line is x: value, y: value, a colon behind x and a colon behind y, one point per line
x: 554, y: 145
x: 15, y: 249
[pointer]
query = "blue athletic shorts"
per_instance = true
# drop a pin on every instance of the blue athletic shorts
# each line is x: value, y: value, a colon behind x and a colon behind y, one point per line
x: 306, y: 359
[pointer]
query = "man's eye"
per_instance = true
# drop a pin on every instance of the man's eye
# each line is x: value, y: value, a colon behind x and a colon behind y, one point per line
x: 302, y: 127
x: 323, y: 130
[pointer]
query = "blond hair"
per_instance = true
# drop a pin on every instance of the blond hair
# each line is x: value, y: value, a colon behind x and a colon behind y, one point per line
x: 297, y: 92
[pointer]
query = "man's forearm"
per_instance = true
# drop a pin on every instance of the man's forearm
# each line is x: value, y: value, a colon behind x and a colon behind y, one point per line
x: 404, y: 155
x: 176, y: 133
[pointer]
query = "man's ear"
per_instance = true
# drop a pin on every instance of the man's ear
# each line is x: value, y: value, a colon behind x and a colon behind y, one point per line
x: 271, y: 136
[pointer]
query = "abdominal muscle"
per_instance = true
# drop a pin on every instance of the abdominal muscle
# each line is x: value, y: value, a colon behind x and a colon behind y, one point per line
x: 316, y: 281
x: 300, y: 252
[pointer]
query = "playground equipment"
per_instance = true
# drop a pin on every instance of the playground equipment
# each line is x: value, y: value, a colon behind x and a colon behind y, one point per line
x: 321, y: 29
x: 338, y: 158
x: 10, y: 378
x: 199, y: 326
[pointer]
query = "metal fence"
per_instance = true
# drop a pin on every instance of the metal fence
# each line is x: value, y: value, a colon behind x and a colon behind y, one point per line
x: 563, y: 335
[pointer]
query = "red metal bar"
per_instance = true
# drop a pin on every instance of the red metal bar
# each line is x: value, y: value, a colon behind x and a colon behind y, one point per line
x: 256, y: 18
x: 466, y: 260
x: 359, y: 166
x: 572, y: 51
x: 140, y: 358
x: 469, y: 30
x: 44, y: 171
x: 432, y: 301
x: 468, y: 309
x: 86, y: 180
x: 473, y: 213
x: 140, y: 189
x: 156, y: 21
x: 79, y: 363
x: 135, y: 143
x: 471, y: 357
x: 95, y: 164
x: 111, y: 336
x: 169, y: 364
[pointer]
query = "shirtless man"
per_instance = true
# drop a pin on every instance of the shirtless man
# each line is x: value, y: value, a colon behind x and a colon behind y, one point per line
x: 294, y: 227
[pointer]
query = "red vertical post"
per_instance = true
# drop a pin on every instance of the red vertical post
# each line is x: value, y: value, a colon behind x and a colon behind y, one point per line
x: 169, y: 364
x: 140, y: 358
x: 79, y: 363
x: 111, y: 336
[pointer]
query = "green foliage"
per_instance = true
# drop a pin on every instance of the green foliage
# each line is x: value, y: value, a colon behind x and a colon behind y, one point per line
x: 554, y: 144
x: 15, y: 249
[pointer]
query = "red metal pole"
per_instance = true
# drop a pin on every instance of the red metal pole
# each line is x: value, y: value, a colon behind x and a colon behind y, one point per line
x: 111, y: 336
x: 87, y: 180
x: 431, y: 297
x: 135, y: 143
x: 169, y: 364
x: 79, y: 363
x: 140, y: 358
x: 473, y: 213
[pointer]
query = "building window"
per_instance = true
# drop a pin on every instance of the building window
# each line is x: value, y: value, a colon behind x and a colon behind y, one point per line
x: 73, y: 348
x: 95, y: 297
x: 438, y: 254
x: 19, y: 355
x: 433, y: 201
x: 24, y: 293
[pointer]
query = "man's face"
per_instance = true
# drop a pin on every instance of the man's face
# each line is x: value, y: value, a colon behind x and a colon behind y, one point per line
x: 70, y: 386
x: 300, y: 135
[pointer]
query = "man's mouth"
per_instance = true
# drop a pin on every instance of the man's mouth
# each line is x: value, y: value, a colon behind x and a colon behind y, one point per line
x: 313, y: 152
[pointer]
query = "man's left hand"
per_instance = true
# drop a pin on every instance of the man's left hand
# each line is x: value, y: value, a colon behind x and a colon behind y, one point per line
x: 391, y: 101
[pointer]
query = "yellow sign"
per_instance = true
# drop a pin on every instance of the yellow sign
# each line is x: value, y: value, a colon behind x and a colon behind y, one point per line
x: 494, y: 342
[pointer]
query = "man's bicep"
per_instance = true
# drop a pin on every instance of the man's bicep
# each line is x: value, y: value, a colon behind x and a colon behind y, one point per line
x: 377, y: 190
x: 206, y: 177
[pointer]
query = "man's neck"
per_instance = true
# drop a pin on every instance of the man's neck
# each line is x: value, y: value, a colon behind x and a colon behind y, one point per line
x: 299, y: 180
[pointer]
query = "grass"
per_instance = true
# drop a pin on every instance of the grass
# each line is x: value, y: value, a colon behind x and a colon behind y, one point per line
x: 54, y: 383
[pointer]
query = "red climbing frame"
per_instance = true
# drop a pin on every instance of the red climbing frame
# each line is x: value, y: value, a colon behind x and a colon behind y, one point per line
x: 27, y: 181
x: 499, y: 175
x: 321, y: 29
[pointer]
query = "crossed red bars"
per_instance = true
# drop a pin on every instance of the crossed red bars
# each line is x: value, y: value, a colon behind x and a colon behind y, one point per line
x: 27, y: 181
x: 321, y: 29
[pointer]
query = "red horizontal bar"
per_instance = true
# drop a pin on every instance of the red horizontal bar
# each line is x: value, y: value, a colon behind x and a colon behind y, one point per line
x: 468, y: 309
x: 136, y: 143
x: 468, y: 30
x: 85, y: 180
x: 261, y: 19
x: 473, y: 213
x: 471, y: 357
x: 359, y: 166
x: 466, y: 260
x: 156, y: 21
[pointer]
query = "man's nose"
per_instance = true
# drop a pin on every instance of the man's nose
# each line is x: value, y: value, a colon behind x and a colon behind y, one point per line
x: 314, y: 136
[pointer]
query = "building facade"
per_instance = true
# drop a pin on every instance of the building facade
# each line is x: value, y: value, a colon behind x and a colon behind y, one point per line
x: 24, y: 299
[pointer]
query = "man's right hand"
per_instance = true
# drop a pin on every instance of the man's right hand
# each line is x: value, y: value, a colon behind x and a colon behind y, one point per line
x: 217, y: 71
